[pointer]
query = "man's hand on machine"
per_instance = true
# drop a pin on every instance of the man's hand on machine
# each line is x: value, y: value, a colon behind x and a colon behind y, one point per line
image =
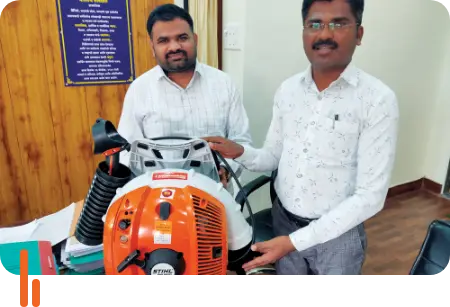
x: 271, y: 251
x: 228, y: 149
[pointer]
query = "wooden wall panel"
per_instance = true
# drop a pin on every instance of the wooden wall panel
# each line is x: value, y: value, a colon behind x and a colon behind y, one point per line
x: 12, y: 184
x: 27, y: 78
x: 47, y: 160
x: 68, y: 111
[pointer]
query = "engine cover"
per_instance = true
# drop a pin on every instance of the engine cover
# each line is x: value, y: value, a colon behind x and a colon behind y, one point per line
x: 165, y: 230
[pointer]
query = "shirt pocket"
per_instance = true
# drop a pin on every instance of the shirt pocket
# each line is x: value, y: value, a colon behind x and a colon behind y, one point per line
x: 336, y: 141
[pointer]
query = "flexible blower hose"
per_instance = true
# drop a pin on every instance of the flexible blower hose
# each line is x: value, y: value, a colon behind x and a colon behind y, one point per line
x: 89, y: 230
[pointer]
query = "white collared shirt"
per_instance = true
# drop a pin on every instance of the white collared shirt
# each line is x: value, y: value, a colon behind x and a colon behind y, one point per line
x: 334, y: 151
x: 210, y: 105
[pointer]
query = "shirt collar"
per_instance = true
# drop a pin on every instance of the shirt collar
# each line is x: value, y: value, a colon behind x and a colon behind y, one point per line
x: 350, y: 75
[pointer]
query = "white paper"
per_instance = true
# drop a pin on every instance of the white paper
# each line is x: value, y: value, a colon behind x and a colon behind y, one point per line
x: 65, y: 260
x: 77, y: 249
x: 55, y: 227
x: 17, y: 234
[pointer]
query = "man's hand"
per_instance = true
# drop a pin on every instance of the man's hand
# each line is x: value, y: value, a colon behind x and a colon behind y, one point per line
x: 228, y: 149
x: 271, y: 251
x: 223, y: 173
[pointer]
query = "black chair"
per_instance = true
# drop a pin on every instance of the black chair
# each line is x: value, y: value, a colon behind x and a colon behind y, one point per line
x: 263, y: 218
x: 434, y: 254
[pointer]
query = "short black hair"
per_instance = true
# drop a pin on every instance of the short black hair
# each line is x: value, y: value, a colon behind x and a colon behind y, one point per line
x: 357, y: 7
x: 168, y: 12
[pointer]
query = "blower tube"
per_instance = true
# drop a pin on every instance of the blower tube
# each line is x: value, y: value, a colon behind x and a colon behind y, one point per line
x: 89, y: 230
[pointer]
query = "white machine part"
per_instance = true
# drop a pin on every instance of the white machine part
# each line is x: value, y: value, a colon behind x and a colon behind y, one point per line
x: 178, y: 163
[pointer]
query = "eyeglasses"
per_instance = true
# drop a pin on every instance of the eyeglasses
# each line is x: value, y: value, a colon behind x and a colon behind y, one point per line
x: 333, y: 26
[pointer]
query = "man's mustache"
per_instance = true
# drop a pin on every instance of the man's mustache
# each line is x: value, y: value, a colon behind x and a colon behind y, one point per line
x: 175, y: 53
x: 327, y: 42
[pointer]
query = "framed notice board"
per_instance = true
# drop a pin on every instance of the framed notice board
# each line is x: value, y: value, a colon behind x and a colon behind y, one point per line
x: 96, y: 41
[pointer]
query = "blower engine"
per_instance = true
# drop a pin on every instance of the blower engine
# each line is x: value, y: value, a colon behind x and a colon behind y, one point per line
x: 165, y: 214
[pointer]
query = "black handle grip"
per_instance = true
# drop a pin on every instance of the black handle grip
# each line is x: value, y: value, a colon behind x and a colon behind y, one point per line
x: 131, y: 259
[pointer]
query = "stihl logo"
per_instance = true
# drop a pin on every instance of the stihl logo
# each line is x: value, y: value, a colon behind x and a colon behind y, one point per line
x: 36, y: 286
x: 163, y: 272
x: 163, y: 269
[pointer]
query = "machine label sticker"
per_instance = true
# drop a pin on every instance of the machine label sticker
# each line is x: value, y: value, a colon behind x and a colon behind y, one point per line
x: 163, y: 269
x: 167, y: 194
x: 170, y: 176
x: 163, y: 232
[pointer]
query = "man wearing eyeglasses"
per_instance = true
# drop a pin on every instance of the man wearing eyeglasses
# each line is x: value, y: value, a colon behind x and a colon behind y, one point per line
x: 333, y: 141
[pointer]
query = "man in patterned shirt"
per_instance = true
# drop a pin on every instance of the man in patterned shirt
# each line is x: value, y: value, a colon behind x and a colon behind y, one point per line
x: 332, y: 139
x: 181, y: 96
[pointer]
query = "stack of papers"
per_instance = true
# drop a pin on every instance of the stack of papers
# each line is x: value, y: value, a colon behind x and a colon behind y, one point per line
x: 82, y: 258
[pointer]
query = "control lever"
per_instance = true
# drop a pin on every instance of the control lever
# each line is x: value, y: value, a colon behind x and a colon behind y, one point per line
x: 131, y: 259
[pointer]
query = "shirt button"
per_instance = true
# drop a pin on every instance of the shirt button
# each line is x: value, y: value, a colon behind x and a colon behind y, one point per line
x: 299, y: 176
x: 305, y: 150
x: 297, y: 200
x: 313, y: 123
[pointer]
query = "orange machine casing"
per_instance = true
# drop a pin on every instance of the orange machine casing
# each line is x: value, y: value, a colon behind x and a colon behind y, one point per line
x: 196, y: 224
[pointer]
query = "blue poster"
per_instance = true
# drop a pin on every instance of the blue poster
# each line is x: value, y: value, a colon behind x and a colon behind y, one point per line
x: 96, y: 41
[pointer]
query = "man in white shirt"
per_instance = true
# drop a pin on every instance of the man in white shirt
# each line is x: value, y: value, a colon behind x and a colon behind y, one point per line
x: 333, y: 141
x: 181, y: 96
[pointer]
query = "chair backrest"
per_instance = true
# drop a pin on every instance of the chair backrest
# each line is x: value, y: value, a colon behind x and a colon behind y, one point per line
x: 434, y: 254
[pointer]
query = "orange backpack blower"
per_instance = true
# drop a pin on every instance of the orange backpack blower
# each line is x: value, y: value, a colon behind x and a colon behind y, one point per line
x: 167, y: 213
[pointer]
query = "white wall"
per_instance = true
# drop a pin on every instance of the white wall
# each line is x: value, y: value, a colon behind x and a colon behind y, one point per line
x: 404, y: 52
x: 234, y: 12
x: 180, y: 3
x: 438, y: 149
